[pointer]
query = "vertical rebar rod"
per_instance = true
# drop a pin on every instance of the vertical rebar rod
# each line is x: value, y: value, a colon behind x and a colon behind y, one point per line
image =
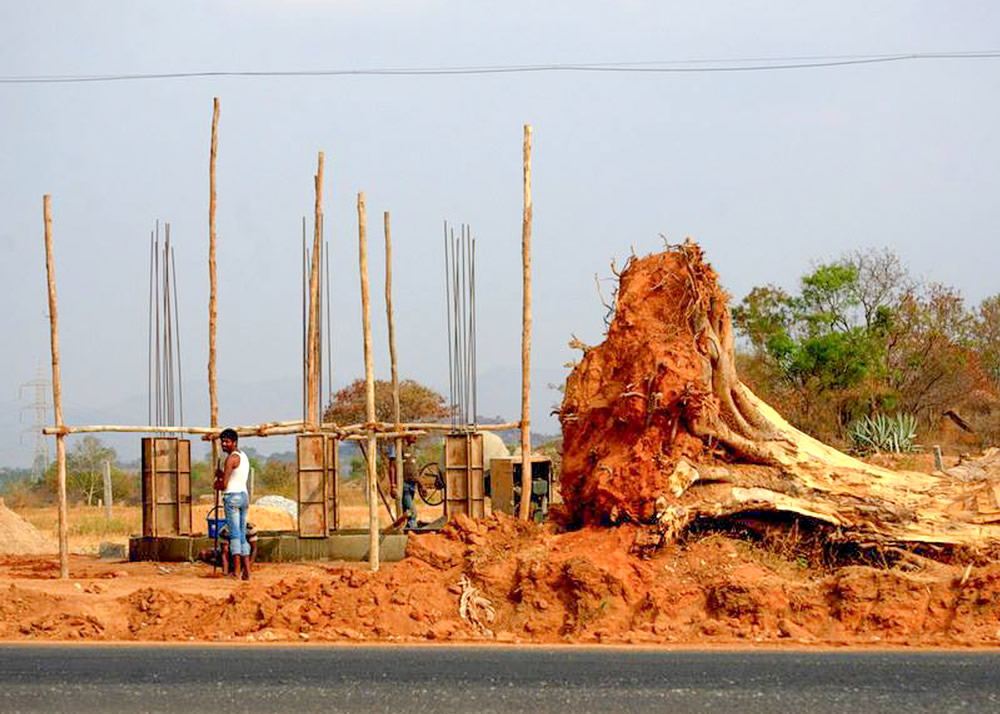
x: 465, y: 334
x: 305, y: 346
x: 454, y: 321
x: 319, y: 327
x: 171, y: 357
x: 168, y: 357
x: 468, y: 325
x: 455, y: 312
x: 459, y: 290
x: 472, y: 291
x: 329, y: 329
x: 177, y: 330
x: 159, y: 403
x: 461, y: 321
x: 447, y: 312
x: 149, y: 360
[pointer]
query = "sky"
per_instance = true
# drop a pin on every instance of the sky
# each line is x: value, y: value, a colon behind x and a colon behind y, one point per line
x: 770, y: 171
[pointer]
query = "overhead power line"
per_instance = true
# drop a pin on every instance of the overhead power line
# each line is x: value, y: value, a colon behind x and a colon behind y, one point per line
x: 686, y: 66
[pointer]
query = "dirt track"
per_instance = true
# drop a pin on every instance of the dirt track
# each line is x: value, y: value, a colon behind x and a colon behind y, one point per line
x: 584, y: 586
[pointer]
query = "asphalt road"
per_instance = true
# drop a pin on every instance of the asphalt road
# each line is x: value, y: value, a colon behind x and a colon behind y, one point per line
x: 82, y: 679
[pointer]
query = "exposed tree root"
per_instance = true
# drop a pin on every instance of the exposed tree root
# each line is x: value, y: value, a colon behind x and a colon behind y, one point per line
x: 655, y: 421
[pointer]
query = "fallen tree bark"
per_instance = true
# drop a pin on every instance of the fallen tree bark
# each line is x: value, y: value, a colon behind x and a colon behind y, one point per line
x: 658, y: 427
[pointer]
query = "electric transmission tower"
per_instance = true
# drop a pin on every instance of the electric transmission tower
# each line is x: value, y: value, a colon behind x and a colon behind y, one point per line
x: 39, y: 404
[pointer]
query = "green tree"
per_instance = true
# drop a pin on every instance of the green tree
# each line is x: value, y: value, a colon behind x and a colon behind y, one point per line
x: 85, y: 473
x: 930, y: 364
x: 417, y: 403
x: 986, y: 337
x: 818, y: 342
x: 276, y: 478
x: 862, y: 336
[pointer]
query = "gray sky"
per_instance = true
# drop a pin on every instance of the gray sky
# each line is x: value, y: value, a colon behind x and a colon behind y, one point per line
x: 768, y: 170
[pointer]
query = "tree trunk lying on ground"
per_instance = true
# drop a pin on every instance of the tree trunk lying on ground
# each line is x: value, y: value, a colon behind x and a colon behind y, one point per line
x: 657, y: 427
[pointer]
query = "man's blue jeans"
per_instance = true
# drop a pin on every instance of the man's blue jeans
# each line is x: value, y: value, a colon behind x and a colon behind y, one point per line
x: 236, y: 505
x: 409, y: 505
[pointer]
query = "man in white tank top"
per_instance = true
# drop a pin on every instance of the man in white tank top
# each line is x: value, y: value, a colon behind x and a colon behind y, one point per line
x: 231, y: 479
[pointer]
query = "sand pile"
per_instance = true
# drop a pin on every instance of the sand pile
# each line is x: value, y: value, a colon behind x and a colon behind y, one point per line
x: 264, y: 518
x: 18, y: 537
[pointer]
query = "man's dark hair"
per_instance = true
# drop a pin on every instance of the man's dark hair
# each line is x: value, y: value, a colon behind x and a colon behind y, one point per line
x: 229, y: 434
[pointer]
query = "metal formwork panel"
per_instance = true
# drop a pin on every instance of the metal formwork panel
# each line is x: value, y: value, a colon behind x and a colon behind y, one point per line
x: 333, y: 481
x: 184, y: 487
x: 166, y: 486
x: 317, y: 484
x: 463, y: 463
x: 502, y: 485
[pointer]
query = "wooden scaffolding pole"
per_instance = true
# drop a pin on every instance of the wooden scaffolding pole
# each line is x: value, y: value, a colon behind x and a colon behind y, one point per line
x: 366, y: 323
x: 526, y: 334
x: 398, y: 444
x: 213, y: 295
x: 312, y: 340
x: 56, y: 389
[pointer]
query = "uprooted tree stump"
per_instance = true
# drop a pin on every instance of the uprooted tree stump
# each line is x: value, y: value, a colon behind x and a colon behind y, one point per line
x: 658, y: 428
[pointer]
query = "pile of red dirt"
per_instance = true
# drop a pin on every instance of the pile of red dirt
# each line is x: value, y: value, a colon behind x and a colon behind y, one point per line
x: 625, y: 406
x: 503, y: 580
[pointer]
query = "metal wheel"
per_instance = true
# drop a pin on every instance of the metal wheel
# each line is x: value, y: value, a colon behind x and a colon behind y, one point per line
x: 430, y: 484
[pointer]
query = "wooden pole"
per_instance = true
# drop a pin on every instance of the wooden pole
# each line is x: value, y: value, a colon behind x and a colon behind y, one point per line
x: 526, y: 334
x: 384, y: 429
x: 56, y: 390
x: 392, y: 360
x: 373, y: 530
x: 213, y: 293
x: 107, y: 490
x: 312, y: 349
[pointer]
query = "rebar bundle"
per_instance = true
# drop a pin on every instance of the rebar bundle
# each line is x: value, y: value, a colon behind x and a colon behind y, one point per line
x: 324, y: 286
x: 460, y: 298
x: 165, y: 397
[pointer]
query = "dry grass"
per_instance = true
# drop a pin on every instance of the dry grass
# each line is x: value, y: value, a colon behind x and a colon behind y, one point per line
x: 88, y: 527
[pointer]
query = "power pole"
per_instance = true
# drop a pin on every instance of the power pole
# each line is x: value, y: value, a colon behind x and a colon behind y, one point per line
x: 39, y: 404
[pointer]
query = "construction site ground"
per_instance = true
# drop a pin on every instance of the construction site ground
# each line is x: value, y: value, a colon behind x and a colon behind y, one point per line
x: 501, y: 580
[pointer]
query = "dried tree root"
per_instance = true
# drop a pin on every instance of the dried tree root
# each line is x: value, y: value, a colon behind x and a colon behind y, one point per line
x: 661, y: 395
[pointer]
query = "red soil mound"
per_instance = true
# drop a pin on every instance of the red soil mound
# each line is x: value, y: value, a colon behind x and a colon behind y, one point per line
x: 623, y: 415
x: 541, y: 586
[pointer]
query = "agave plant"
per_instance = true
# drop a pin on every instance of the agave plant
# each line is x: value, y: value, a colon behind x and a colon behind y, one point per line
x: 880, y: 432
